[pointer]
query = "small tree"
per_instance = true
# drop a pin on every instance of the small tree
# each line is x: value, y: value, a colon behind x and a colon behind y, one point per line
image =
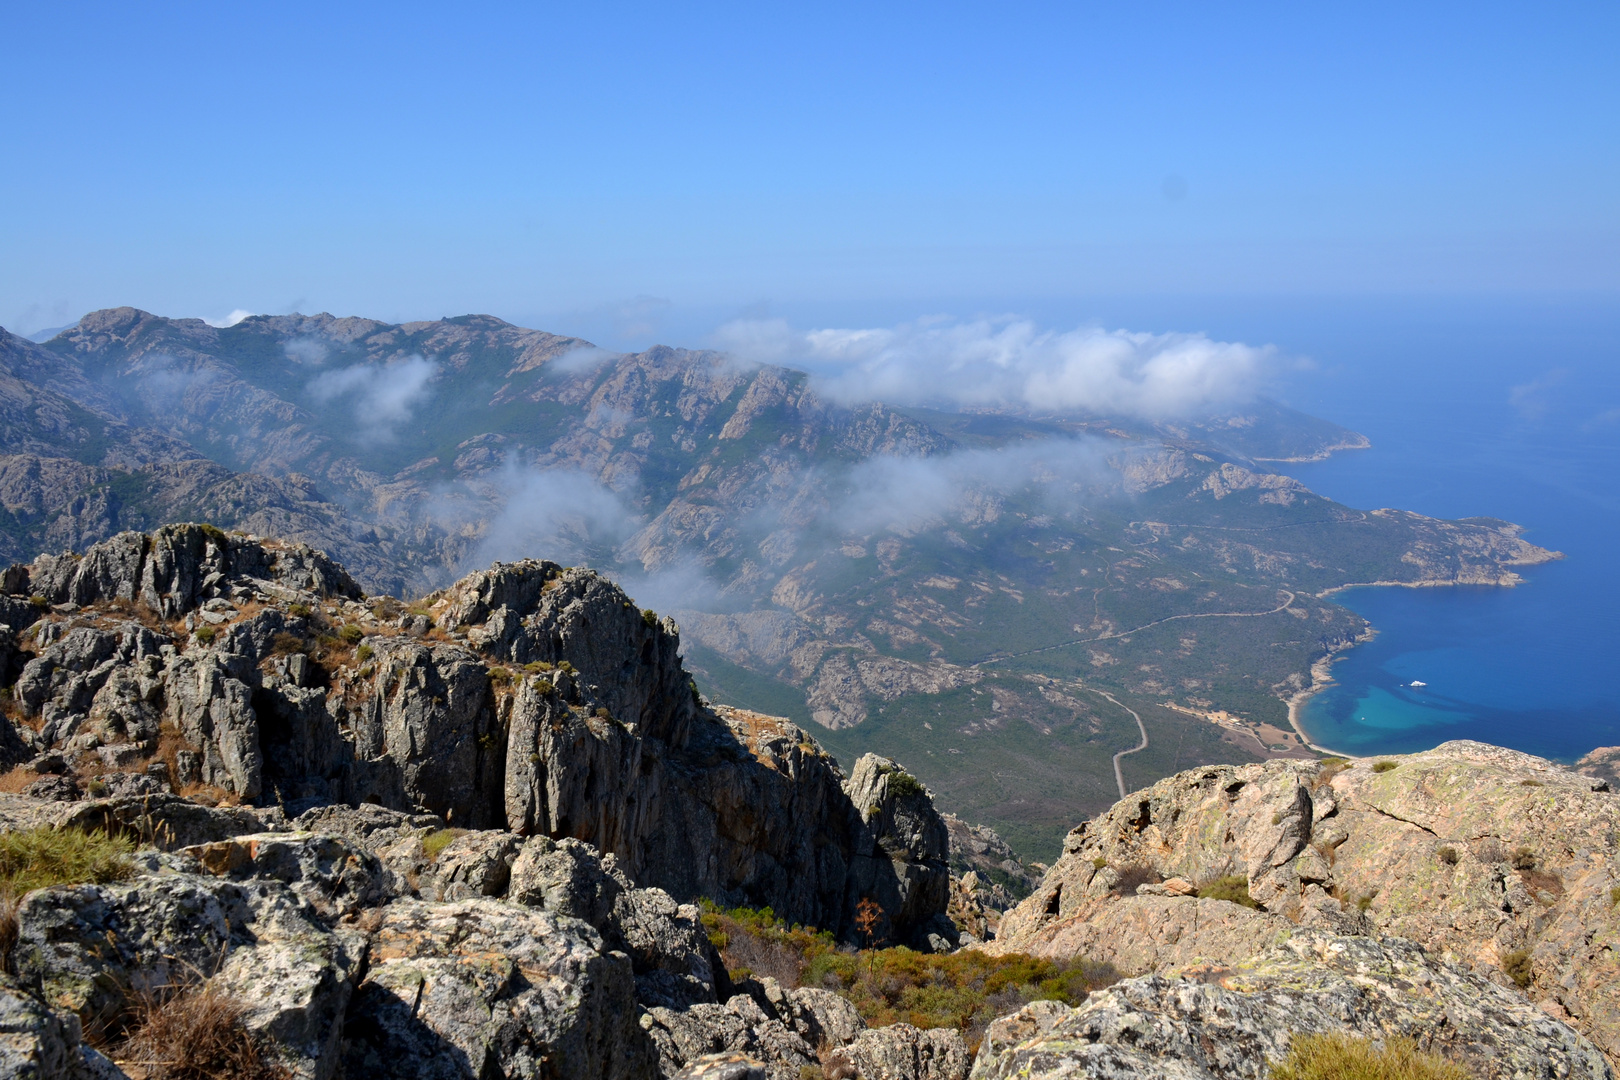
x: 868, y: 917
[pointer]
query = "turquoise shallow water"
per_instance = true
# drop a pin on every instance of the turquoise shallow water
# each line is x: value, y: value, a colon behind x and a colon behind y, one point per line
x: 1510, y: 413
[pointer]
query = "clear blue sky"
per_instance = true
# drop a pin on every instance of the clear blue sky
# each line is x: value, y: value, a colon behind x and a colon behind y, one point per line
x: 626, y: 169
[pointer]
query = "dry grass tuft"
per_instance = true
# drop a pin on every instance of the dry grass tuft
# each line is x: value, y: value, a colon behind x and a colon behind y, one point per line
x: 39, y: 858
x: 195, y: 1033
x: 1348, y: 1057
x: 16, y: 779
x: 434, y: 843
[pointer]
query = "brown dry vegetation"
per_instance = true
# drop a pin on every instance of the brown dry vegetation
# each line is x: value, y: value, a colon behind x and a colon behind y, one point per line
x: 193, y: 1033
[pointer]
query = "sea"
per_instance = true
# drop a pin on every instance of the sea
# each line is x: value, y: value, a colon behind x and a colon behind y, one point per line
x: 1506, y: 409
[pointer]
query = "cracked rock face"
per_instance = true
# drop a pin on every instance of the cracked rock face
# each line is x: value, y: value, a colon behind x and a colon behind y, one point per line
x: 528, y: 698
x: 1210, y: 1020
x: 1481, y: 854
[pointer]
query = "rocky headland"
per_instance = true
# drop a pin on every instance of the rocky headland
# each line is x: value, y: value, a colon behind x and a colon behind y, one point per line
x: 471, y: 836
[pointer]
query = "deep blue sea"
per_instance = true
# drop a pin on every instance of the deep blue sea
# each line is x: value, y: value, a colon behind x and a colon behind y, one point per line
x: 1508, y: 410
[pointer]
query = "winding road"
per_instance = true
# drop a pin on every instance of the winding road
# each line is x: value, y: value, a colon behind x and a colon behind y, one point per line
x: 1119, y: 777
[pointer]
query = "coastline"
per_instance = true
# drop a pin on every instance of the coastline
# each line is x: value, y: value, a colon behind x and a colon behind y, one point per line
x: 1321, y: 679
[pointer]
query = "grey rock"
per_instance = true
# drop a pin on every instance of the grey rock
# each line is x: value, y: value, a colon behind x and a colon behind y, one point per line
x: 91, y: 947
x: 335, y: 877
x: 730, y: 1066
x: 35, y: 1043
x: 1229, y: 1021
x: 900, y: 851
x: 902, y: 1052
x: 481, y: 988
x: 475, y: 864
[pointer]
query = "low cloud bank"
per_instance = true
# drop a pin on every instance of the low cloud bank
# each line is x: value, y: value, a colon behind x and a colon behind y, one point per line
x: 1011, y: 363
x: 384, y: 395
x: 572, y: 517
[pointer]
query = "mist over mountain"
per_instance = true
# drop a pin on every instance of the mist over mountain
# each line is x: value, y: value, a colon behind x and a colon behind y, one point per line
x: 935, y: 528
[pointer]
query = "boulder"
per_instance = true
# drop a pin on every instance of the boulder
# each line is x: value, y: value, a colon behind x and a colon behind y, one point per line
x: 1482, y: 854
x: 92, y: 948
x: 1212, y: 1021
x: 902, y: 1052
x: 479, y: 988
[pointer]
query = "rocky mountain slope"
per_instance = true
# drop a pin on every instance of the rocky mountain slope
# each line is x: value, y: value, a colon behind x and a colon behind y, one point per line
x: 528, y: 698
x: 464, y: 838
x: 905, y: 578
x: 1498, y: 864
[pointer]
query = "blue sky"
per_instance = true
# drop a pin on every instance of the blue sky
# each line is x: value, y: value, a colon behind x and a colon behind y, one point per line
x: 633, y: 172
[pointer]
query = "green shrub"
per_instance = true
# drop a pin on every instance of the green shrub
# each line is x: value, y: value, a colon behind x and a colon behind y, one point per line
x: 38, y: 858
x: 1364, y: 903
x: 1350, y: 1057
x: 902, y: 783
x: 95, y: 787
x: 603, y: 712
x: 1099, y: 862
x: 364, y: 653
x: 351, y: 634
x: 499, y: 675
x: 566, y: 668
x: 299, y: 611
x: 39, y: 601
x: 205, y: 634
x: 1448, y: 855
x: 1516, y: 965
x: 436, y: 841
x: 285, y: 644
x: 543, y: 686
x: 1385, y: 766
x: 539, y: 667
x: 1614, y: 896
x: 964, y: 990
x: 1232, y: 887
x: 650, y: 617
x: 1530, y: 783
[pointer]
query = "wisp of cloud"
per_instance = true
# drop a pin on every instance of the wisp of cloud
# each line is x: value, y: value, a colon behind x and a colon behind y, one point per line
x: 1010, y: 363
x: 384, y: 395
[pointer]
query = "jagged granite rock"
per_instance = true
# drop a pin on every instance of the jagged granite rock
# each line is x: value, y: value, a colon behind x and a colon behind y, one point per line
x: 1207, y: 1021
x: 169, y: 571
x: 90, y: 948
x: 1475, y: 851
x: 479, y: 988
x: 900, y: 850
x: 785, y: 1030
x: 474, y: 864
x: 528, y: 697
x: 902, y: 1052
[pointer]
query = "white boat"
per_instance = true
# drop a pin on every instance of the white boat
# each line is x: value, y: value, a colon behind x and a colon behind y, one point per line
x: 1419, y: 682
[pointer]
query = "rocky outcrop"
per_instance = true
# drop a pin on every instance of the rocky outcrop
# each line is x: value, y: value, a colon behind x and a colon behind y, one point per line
x: 1232, y: 1020
x: 529, y: 698
x: 1495, y: 860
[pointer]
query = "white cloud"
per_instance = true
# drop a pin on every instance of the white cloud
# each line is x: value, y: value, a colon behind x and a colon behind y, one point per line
x: 230, y: 320
x: 1011, y: 363
x: 384, y: 395
x: 306, y: 350
x: 583, y: 358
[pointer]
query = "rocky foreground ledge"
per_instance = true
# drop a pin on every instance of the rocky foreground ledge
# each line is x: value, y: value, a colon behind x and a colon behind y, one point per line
x: 464, y: 838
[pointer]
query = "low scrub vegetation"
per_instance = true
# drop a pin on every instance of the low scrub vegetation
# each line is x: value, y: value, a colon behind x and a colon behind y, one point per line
x: 434, y: 843
x: 1516, y: 965
x: 1385, y: 766
x: 965, y: 990
x: 1232, y: 887
x: 1348, y: 1057
x: 38, y: 858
